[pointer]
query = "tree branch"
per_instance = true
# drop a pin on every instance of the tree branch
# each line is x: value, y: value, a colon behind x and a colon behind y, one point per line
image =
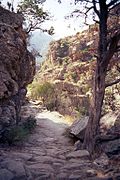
x: 112, y: 83
x: 112, y: 3
x: 86, y: 13
x: 31, y: 27
x: 95, y: 8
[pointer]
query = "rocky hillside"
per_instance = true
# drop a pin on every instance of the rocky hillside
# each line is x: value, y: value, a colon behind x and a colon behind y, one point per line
x: 17, y: 67
x: 69, y: 66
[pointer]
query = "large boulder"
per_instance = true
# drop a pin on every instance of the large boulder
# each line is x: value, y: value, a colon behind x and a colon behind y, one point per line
x: 112, y: 148
x: 17, y: 67
x: 78, y: 128
x: 109, y: 138
x: 109, y: 125
x: 110, y: 128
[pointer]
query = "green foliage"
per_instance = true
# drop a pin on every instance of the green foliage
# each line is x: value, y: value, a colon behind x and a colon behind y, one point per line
x: 29, y: 124
x: 64, y: 43
x: 34, y: 89
x: 18, y: 133
x: 14, y: 134
x: 82, y: 111
x: 60, y: 60
x: 86, y: 88
x: 50, y: 105
x: 34, y: 15
x: 66, y: 60
x: 74, y: 77
x: 45, y: 92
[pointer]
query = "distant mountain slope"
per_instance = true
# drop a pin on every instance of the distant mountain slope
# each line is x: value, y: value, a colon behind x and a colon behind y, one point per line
x: 40, y: 41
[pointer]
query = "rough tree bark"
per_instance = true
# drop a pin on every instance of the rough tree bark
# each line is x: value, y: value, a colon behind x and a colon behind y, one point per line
x: 105, y: 53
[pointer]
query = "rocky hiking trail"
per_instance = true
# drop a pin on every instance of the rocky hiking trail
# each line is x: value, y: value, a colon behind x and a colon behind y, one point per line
x: 48, y: 153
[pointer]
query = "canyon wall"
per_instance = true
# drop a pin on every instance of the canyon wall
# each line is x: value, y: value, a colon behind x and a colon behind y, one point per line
x: 17, y: 67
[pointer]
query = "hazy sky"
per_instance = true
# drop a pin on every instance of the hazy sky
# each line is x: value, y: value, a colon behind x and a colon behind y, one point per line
x: 62, y: 26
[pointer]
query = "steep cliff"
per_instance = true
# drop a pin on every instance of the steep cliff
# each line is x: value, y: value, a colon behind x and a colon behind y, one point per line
x: 17, y: 67
x: 69, y: 66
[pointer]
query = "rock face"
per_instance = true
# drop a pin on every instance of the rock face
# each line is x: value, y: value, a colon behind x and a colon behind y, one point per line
x: 109, y: 137
x: 69, y: 67
x: 78, y: 128
x: 17, y: 66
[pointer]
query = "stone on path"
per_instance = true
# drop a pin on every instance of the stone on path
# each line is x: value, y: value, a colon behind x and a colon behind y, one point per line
x: 49, y: 154
x: 78, y: 127
x: 78, y: 154
x: 15, y: 167
x: 6, y: 175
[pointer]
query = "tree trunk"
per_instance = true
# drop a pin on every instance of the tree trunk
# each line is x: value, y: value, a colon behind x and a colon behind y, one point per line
x: 99, y: 84
x: 95, y: 110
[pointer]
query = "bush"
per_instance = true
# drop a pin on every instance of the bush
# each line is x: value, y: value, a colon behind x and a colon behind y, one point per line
x: 74, y: 77
x: 45, y: 92
x: 29, y: 124
x: 17, y: 133
x: 34, y: 90
x: 82, y: 111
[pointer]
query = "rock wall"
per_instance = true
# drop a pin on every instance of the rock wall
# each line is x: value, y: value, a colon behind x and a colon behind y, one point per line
x: 17, y: 67
x: 70, y: 65
x: 80, y: 47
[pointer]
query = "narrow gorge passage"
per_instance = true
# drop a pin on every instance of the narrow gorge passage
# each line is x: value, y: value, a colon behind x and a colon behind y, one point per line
x: 47, y: 154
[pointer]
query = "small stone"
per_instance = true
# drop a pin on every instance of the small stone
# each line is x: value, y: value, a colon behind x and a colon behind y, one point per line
x: 78, y: 154
x: 57, y: 165
x: 40, y: 172
x: 5, y: 174
x: 102, y: 160
x: 77, y: 145
x: 43, y: 159
x: 41, y: 167
x: 44, y: 176
x: 62, y: 176
x: 24, y: 156
x: 62, y: 157
x: 15, y: 166
x: 91, y: 172
x: 72, y: 166
x: 74, y: 177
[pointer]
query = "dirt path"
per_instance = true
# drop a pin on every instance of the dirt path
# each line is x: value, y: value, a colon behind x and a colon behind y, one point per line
x: 48, y: 154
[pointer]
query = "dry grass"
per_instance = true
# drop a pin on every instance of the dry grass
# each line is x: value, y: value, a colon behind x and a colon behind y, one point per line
x: 69, y: 119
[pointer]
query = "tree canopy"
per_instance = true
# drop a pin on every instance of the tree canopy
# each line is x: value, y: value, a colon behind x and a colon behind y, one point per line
x: 34, y: 15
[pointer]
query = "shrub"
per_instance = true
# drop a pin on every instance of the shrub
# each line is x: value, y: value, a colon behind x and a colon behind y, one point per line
x: 29, y: 124
x: 50, y: 106
x: 60, y: 60
x: 82, y: 111
x: 17, y: 133
x: 74, y: 77
x: 66, y: 60
x: 45, y: 92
